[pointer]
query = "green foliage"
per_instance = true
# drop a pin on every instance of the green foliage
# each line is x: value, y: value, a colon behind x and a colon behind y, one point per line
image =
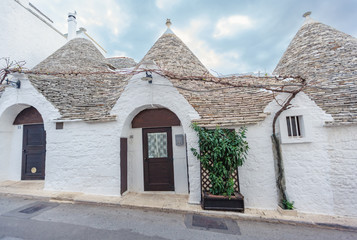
x: 287, y: 205
x: 221, y: 152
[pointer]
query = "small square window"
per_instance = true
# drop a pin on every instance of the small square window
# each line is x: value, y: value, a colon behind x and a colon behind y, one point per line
x: 294, y: 126
x: 59, y: 125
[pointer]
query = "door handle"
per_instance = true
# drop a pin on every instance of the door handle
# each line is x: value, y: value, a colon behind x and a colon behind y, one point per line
x: 24, y: 150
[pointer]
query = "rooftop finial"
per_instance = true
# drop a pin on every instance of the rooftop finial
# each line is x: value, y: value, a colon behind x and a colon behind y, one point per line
x: 168, y: 23
x: 307, y: 14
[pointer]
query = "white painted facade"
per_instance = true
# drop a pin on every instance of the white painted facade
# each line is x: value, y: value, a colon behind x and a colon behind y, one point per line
x: 12, y: 102
x: 85, y: 157
x: 320, y: 167
x: 25, y: 36
x: 139, y: 95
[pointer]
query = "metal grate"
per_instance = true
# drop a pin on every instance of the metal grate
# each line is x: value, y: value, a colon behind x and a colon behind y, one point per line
x: 208, y: 222
x: 206, y: 183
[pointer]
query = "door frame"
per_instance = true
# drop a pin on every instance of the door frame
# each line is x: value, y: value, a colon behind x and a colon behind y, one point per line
x: 24, y: 152
x: 171, y: 184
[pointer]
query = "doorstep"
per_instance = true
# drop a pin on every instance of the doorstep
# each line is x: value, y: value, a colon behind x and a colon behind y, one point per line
x: 173, y: 203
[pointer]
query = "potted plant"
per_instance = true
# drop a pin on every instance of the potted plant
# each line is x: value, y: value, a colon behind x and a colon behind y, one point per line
x: 221, y: 151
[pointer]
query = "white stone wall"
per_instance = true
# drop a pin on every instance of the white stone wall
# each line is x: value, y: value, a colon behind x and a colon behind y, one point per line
x: 342, y: 152
x: 140, y: 95
x: 320, y: 168
x: 307, y: 165
x: 83, y: 157
x: 12, y: 102
x: 25, y: 37
x: 257, y: 175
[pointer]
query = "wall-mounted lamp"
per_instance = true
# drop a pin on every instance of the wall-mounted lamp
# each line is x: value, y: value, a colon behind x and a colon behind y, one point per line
x: 148, y: 77
x: 16, y: 84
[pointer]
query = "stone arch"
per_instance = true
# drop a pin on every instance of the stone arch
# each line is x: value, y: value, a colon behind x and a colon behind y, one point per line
x: 28, y: 116
x: 12, y: 122
x: 147, y: 117
x: 157, y: 117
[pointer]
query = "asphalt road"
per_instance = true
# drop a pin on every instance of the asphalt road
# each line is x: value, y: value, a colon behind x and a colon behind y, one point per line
x: 22, y: 218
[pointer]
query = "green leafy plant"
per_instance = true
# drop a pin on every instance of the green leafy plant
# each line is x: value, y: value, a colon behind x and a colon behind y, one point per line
x: 221, y: 152
x: 287, y: 205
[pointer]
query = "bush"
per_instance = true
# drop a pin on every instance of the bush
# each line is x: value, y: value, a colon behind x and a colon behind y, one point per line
x: 221, y: 152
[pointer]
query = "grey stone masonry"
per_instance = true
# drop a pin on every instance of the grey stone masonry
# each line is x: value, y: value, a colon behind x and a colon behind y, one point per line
x: 172, y: 55
x: 327, y: 58
x: 218, y: 104
x: 80, y: 90
x: 121, y: 62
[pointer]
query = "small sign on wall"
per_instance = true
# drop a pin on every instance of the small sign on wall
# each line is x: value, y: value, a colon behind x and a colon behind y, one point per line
x: 179, y: 138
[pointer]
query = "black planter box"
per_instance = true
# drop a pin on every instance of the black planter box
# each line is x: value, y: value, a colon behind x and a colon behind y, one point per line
x: 214, y: 202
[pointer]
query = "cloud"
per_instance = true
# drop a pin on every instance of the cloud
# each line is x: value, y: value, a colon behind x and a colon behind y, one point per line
x: 227, y: 62
x: 109, y: 15
x: 230, y: 26
x: 166, y: 4
x: 118, y: 53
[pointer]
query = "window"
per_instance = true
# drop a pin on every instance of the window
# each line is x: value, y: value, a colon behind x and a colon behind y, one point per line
x: 293, y: 124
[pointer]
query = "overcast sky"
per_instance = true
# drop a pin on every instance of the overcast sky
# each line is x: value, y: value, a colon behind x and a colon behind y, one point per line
x: 235, y: 36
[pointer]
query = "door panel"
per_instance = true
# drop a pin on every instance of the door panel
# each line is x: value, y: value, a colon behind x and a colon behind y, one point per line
x: 158, y: 161
x: 123, y: 165
x: 33, y: 152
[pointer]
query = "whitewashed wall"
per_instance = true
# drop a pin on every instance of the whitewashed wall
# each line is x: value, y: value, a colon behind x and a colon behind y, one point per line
x: 25, y: 37
x: 140, y: 95
x: 342, y: 151
x: 83, y: 157
x: 257, y: 175
x: 12, y: 102
x: 320, y: 168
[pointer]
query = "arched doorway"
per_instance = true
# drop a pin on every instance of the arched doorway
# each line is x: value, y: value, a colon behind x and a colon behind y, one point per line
x: 158, y: 165
x: 33, y: 144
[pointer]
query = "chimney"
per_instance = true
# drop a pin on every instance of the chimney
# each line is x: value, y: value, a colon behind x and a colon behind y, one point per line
x: 72, y: 25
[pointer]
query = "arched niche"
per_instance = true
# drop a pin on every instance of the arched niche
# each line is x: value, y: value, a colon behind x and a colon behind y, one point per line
x: 28, y: 116
x: 159, y: 117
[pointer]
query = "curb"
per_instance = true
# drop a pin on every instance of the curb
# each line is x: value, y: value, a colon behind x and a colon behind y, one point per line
x: 242, y: 216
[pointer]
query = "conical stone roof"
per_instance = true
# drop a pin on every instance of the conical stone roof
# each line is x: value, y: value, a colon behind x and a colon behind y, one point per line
x: 327, y: 59
x: 78, y: 55
x: 172, y: 55
x: 77, y: 80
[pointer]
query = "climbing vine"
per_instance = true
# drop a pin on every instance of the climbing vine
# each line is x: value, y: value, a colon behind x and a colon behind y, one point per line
x: 221, y: 151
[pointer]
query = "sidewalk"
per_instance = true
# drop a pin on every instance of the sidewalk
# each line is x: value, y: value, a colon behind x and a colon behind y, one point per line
x: 173, y: 203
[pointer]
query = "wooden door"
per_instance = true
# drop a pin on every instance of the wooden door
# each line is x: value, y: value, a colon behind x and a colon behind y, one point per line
x: 123, y: 165
x: 158, y: 161
x: 33, y: 152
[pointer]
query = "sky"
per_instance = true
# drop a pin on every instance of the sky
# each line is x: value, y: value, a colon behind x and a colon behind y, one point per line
x: 228, y: 36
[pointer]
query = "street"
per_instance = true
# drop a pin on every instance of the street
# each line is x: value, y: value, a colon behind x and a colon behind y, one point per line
x: 22, y: 218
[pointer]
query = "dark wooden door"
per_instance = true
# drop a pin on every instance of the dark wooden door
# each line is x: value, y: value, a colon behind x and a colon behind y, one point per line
x: 158, y: 161
x: 33, y: 152
x: 123, y: 165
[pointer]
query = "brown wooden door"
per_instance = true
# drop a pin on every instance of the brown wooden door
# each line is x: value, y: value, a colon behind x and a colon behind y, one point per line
x: 123, y: 165
x: 33, y: 152
x: 158, y: 161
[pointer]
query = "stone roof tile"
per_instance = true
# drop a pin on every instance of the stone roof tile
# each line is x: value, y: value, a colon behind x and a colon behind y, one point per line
x: 121, y: 62
x: 172, y: 55
x: 80, y: 91
x: 327, y: 59
x: 224, y: 106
